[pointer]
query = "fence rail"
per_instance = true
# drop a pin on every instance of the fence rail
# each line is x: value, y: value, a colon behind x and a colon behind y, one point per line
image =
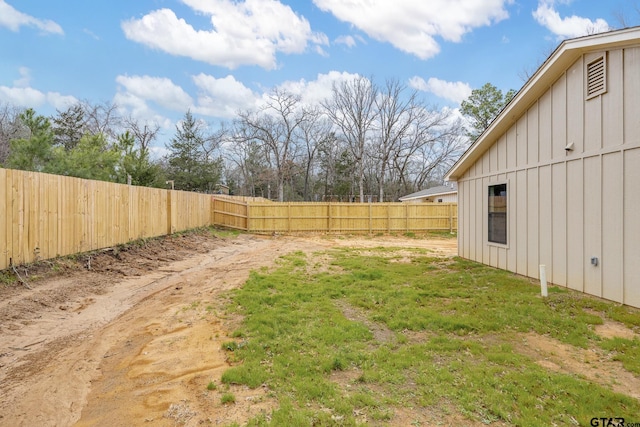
x: 44, y: 216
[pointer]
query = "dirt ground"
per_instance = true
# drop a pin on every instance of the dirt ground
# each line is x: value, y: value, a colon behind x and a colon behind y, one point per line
x: 133, y: 337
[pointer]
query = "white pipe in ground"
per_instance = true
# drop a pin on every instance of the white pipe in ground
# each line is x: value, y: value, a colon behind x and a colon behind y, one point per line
x: 543, y: 280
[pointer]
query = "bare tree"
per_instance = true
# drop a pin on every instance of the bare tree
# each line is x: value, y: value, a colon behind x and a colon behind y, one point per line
x: 352, y: 109
x: 11, y: 127
x: 396, y: 115
x: 623, y: 18
x: 275, y: 126
x: 248, y: 167
x: 102, y: 119
x: 143, y: 132
x: 314, y: 133
x: 434, y: 141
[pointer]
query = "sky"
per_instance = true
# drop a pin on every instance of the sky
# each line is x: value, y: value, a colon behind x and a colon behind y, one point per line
x: 156, y: 59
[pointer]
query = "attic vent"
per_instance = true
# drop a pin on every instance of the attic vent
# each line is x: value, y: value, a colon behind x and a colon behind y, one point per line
x: 596, y: 77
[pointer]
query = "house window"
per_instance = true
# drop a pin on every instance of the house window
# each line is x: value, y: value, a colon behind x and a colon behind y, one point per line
x: 596, y: 77
x: 439, y: 200
x: 498, y: 214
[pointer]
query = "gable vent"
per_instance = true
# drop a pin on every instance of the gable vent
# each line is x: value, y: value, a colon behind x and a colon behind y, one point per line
x: 596, y: 77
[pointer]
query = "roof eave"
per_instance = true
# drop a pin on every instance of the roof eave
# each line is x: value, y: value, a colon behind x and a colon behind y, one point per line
x: 565, y: 54
x: 428, y: 195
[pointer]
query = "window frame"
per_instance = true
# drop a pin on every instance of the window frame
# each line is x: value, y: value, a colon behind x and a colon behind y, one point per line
x: 507, y: 216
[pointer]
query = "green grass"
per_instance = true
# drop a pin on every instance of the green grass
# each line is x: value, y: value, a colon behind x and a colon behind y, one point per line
x: 228, y: 398
x: 452, y: 329
x: 7, y: 278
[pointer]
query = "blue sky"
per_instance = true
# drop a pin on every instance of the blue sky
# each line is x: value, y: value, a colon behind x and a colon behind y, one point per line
x: 157, y: 58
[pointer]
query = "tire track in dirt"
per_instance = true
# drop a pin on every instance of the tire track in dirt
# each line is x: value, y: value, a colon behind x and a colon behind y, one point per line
x: 134, y: 350
x: 142, y: 350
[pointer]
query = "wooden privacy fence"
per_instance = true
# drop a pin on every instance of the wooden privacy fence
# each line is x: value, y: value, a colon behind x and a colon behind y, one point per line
x: 44, y: 216
x: 268, y: 217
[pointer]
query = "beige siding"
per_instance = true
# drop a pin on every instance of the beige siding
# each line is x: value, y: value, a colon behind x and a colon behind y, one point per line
x: 544, y: 127
x: 575, y: 108
x: 512, y: 222
x: 533, y: 226
x: 521, y: 219
x: 565, y: 207
x: 575, y: 225
x: 559, y: 226
x: 631, y: 257
x: 467, y: 218
x: 532, y: 135
x: 512, y: 148
x: 480, y: 224
x: 612, y: 117
x: 559, y: 120
x: 545, y: 221
x: 631, y: 102
x: 472, y: 224
x: 612, y: 220
x: 592, y: 224
x: 521, y: 142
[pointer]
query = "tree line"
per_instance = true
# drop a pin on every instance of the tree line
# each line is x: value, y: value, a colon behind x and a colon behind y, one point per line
x: 363, y: 142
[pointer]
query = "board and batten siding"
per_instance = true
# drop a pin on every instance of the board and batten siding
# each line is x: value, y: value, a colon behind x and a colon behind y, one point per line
x: 565, y: 207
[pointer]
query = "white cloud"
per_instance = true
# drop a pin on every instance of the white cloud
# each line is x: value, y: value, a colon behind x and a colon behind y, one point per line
x: 413, y: 26
x: 160, y: 90
x: 13, y: 20
x: 349, y: 41
x: 25, y: 78
x: 23, y: 95
x: 568, y: 27
x: 91, y: 33
x: 315, y: 91
x: 157, y: 152
x: 59, y: 101
x: 222, y: 97
x: 243, y: 33
x: 453, y: 91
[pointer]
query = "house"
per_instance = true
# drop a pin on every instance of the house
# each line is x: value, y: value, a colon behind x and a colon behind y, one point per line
x: 555, y: 179
x: 440, y: 194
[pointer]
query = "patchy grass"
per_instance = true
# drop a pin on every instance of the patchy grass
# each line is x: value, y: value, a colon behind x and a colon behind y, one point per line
x: 228, y: 398
x: 7, y: 278
x: 454, y: 327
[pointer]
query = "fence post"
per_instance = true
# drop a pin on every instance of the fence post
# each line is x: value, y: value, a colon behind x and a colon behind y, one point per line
x: 406, y: 217
x: 168, y: 212
x: 288, y: 217
x: 248, y: 216
x: 388, y: 218
x: 450, y: 218
x: 172, y: 212
x: 370, y: 218
x: 213, y: 211
x: 329, y: 217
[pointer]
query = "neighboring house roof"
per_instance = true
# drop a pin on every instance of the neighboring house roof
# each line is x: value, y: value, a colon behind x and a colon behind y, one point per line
x: 560, y: 60
x: 430, y: 192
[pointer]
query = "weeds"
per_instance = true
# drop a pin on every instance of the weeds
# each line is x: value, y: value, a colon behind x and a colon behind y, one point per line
x: 7, y: 278
x: 228, y: 398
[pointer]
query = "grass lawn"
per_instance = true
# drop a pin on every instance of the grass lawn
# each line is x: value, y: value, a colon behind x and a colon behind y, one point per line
x: 400, y: 337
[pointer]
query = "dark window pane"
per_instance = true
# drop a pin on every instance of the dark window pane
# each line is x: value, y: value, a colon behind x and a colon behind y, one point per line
x: 498, y: 213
